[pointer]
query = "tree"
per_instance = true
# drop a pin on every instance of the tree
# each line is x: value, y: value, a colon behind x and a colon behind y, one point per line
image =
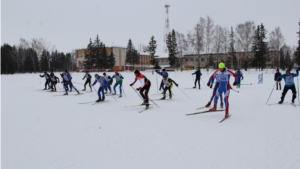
x: 44, y: 61
x: 296, y: 57
x: 225, y: 40
x: 111, y: 60
x: 260, y: 48
x: 152, y: 49
x: 276, y: 39
x: 182, y: 46
x: 89, y: 59
x: 233, y: 60
x: 7, y: 62
x: 172, y: 47
x: 217, y: 39
x: 31, y: 61
x: 132, y: 56
x: 282, y: 64
x: 244, y: 35
x: 209, y: 31
x: 196, y: 38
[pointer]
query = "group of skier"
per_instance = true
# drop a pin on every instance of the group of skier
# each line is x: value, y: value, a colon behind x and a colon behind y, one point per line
x: 221, y: 76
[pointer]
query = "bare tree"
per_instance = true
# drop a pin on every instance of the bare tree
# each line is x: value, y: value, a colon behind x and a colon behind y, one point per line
x: 209, y: 31
x: 244, y: 35
x: 217, y: 39
x: 182, y: 46
x: 276, y: 39
x: 196, y: 38
x: 225, y: 40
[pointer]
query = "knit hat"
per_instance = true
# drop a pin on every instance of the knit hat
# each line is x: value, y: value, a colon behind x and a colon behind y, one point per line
x: 137, y: 72
x: 221, y: 65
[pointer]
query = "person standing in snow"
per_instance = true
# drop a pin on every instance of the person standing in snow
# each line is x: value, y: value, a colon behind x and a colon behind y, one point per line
x: 217, y: 85
x: 119, y: 81
x: 277, y: 79
x: 198, y: 74
x: 168, y: 83
x: 67, y: 81
x: 289, y: 84
x: 108, y: 86
x: 145, y: 86
x: 162, y: 73
x: 239, y: 77
x: 88, y: 80
x: 46, y: 75
x: 222, y: 76
x: 54, y: 81
x: 103, y: 84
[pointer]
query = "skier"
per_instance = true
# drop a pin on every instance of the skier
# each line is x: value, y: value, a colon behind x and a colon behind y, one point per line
x: 239, y: 77
x: 108, y: 86
x: 168, y: 83
x: 222, y: 75
x: 67, y: 81
x: 210, y: 84
x: 145, y: 86
x: 198, y: 74
x: 103, y: 84
x: 88, y: 80
x: 163, y: 72
x: 119, y: 81
x: 46, y: 75
x: 277, y: 79
x: 63, y: 81
x: 54, y: 81
x: 289, y: 84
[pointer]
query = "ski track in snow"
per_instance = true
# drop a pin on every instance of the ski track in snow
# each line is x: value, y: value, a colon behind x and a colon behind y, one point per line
x: 41, y: 131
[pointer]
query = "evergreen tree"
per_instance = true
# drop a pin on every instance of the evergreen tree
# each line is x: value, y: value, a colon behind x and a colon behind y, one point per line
x: 288, y: 60
x: 210, y: 61
x: 97, y: 53
x: 44, y: 62
x: 104, y: 57
x: 89, y: 59
x: 282, y: 64
x: 132, y: 56
x: 111, y: 60
x: 172, y: 47
x: 260, y: 48
x: 31, y: 61
x: 297, y: 52
x: 152, y: 50
x: 7, y: 62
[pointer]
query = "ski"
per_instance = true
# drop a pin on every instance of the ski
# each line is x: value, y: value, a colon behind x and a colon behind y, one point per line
x: 100, y: 102
x: 224, y: 119
x: 78, y: 94
x: 294, y: 104
x: 137, y: 105
x: 144, y: 110
x: 201, y: 108
x: 86, y: 102
x: 207, y: 111
x: 276, y: 103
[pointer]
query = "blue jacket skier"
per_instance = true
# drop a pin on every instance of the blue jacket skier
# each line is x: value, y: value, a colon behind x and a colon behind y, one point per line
x: 289, y: 84
x: 67, y: 81
x: 239, y: 78
x: 119, y: 81
x: 162, y: 73
x: 103, y: 84
x: 198, y: 74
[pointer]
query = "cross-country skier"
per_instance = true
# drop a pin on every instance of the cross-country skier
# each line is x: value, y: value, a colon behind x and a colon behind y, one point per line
x: 108, y: 86
x: 162, y: 73
x: 222, y: 75
x: 210, y: 84
x: 88, y: 80
x: 289, y: 84
x: 54, y: 81
x: 239, y: 77
x: 145, y: 86
x: 168, y: 83
x: 198, y: 74
x: 277, y: 79
x: 67, y: 80
x: 119, y: 81
x: 103, y: 84
x: 46, y: 75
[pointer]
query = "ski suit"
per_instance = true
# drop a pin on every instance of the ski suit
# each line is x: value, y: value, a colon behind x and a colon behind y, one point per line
x: 103, y: 84
x: 47, y: 77
x: 198, y: 74
x: 168, y: 82
x: 239, y: 78
x: 163, y: 73
x: 119, y: 81
x: 289, y: 84
x: 145, y: 86
x: 88, y: 80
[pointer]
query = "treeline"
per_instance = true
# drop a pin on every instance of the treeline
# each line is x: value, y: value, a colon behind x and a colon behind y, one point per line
x: 31, y: 57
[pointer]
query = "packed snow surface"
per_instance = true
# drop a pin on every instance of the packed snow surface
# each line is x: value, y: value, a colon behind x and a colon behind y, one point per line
x: 44, y: 130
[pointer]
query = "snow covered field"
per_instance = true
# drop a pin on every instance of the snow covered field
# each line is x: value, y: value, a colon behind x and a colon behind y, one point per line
x: 41, y: 130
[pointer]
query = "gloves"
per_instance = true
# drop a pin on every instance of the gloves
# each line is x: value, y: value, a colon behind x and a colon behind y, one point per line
x: 82, y: 79
x: 177, y: 85
x: 138, y: 89
x: 131, y: 84
x: 208, y: 84
x: 234, y: 83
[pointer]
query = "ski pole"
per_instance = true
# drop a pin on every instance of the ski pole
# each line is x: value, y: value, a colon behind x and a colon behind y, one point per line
x: 153, y: 102
x: 247, y: 84
x: 298, y: 89
x: 183, y: 93
x: 271, y: 92
x: 123, y: 90
x: 156, y: 84
x: 235, y: 90
x: 77, y: 83
x: 202, y: 81
x: 137, y: 93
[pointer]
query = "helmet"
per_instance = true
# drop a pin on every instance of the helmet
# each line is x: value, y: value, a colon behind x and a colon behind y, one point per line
x: 165, y: 76
x: 288, y: 71
x: 116, y: 71
x: 238, y: 68
x: 163, y: 69
x: 137, y: 72
x: 96, y: 75
x: 104, y: 73
x: 221, y: 65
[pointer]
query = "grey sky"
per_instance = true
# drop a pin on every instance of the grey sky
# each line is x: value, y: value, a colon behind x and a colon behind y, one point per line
x: 69, y: 24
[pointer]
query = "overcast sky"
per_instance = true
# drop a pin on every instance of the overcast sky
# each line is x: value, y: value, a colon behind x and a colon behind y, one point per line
x: 69, y: 24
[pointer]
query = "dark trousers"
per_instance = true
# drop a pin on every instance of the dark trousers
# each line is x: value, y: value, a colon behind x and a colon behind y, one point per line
x: 47, y: 83
x: 278, y: 83
x: 146, y: 88
x: 88, y: 81
x: 285, y: 89
x: 170, y: 91
x: 197, y: 79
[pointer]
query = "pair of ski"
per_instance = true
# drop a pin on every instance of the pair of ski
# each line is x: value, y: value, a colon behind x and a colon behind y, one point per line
x: 293, y: 104
x: 208, y: 111
x: 146, y: 108
x: 94, y: 102
x: 70, y: 94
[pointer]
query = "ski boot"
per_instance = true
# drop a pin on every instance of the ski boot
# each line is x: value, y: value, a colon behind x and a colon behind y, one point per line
x: 144, y: 103
x: 113, y: 94
x: 170, y: 96
x: 221, y: 105
x: 214, y: 108
x: 66, y: 93
x: 208, y: 104
x: 226, y: 114
x: 83, y: 89
x: 147, y: 106
x: 120, y: 95
x: 280, y: 102
x: 45, y: 89
x: 163, y: 98
x: 103, y: 98
x: 99, y: 100
x: 194, y: 87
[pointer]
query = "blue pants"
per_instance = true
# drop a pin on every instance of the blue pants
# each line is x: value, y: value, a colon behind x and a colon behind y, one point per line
x: 214, y: 93
x: 120, y: 87
x: 100, y: 90
x: 219, y: 92
x: 70, y: 84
